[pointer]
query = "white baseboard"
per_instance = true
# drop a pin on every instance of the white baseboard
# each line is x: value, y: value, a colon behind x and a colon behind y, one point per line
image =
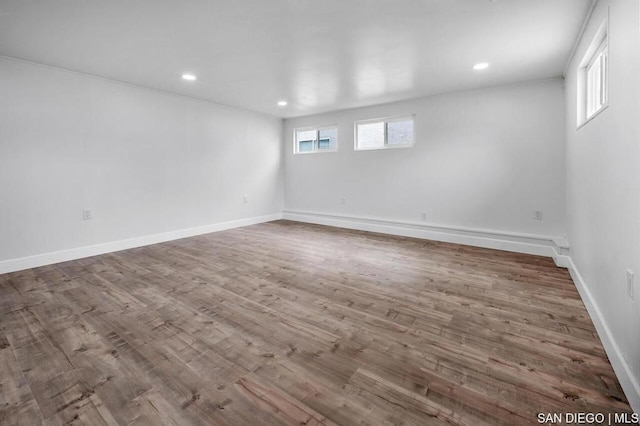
x: 628, y: 381
x: 554, y: 247
x: 19, y: 264
x: 540, y: 245
x: 563, y: 261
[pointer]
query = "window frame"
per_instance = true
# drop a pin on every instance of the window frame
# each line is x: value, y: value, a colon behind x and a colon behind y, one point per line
x: 596, y: 53
x: 601, y: 58
x: 316, y: 149
x: 385, y: 121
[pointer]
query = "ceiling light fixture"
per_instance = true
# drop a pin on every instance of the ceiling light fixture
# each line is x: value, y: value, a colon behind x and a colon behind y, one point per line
x: 188, y: 77
x: 282, y: 103
x: 481, y: 66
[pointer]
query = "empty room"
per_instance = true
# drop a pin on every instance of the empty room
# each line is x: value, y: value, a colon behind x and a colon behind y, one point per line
x: 295, y: 212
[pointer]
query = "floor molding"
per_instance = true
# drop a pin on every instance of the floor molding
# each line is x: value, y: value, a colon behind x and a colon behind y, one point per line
x: 19, y: 264
x: 541, y: 245
x: 628, y: 381
x: 557, y: 248
x: 360, y: 323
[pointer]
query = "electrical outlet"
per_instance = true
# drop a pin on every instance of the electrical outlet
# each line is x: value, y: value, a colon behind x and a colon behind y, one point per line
x: 87, y: 215
x: 245, y: 199
x: 630, y: 284
x: 343, y: 201
x: 423, y: 215
x: 537, y: 214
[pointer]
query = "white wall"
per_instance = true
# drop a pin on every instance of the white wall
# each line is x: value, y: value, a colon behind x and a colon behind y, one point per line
x: 483, y: 159
x: 603, y: 192
x: 145, y: 162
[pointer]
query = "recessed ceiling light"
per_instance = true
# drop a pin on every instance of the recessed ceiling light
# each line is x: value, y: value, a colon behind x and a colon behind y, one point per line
x: 282, y: 103
x: 189, y: 77
x: 481, y: 66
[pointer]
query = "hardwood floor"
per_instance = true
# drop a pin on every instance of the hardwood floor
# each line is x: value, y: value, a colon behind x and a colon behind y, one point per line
x: 290, y: 323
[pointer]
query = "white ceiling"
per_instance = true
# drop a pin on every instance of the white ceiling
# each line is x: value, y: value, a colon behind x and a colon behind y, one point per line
x: 319, y: 55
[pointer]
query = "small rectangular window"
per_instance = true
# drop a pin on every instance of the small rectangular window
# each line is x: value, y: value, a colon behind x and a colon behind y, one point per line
x: 593, y: 77
x: 384, y: 133
x: 315, y: 139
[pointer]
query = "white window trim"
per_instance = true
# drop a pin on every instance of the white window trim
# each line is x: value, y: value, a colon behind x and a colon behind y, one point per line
x: 317, y: 129
x: 598, y: 45
x: 602, y: 49
x: 385, y: 120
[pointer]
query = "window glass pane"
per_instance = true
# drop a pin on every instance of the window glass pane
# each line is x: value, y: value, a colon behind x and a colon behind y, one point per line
x: 306, y: 140
x: 371, y: 135
x: 595, y: 95
x: 328, y: 139
x: 307, y: 135
x: 400, y: 132
x: 596, y: 85
x: 305, y: 146
x: 603, y: 77
x: 591, y: 91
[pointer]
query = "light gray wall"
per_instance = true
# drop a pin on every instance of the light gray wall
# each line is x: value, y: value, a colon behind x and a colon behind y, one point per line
x: 145, y: 162
x: 603, y: 181
x: 483, y: 159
